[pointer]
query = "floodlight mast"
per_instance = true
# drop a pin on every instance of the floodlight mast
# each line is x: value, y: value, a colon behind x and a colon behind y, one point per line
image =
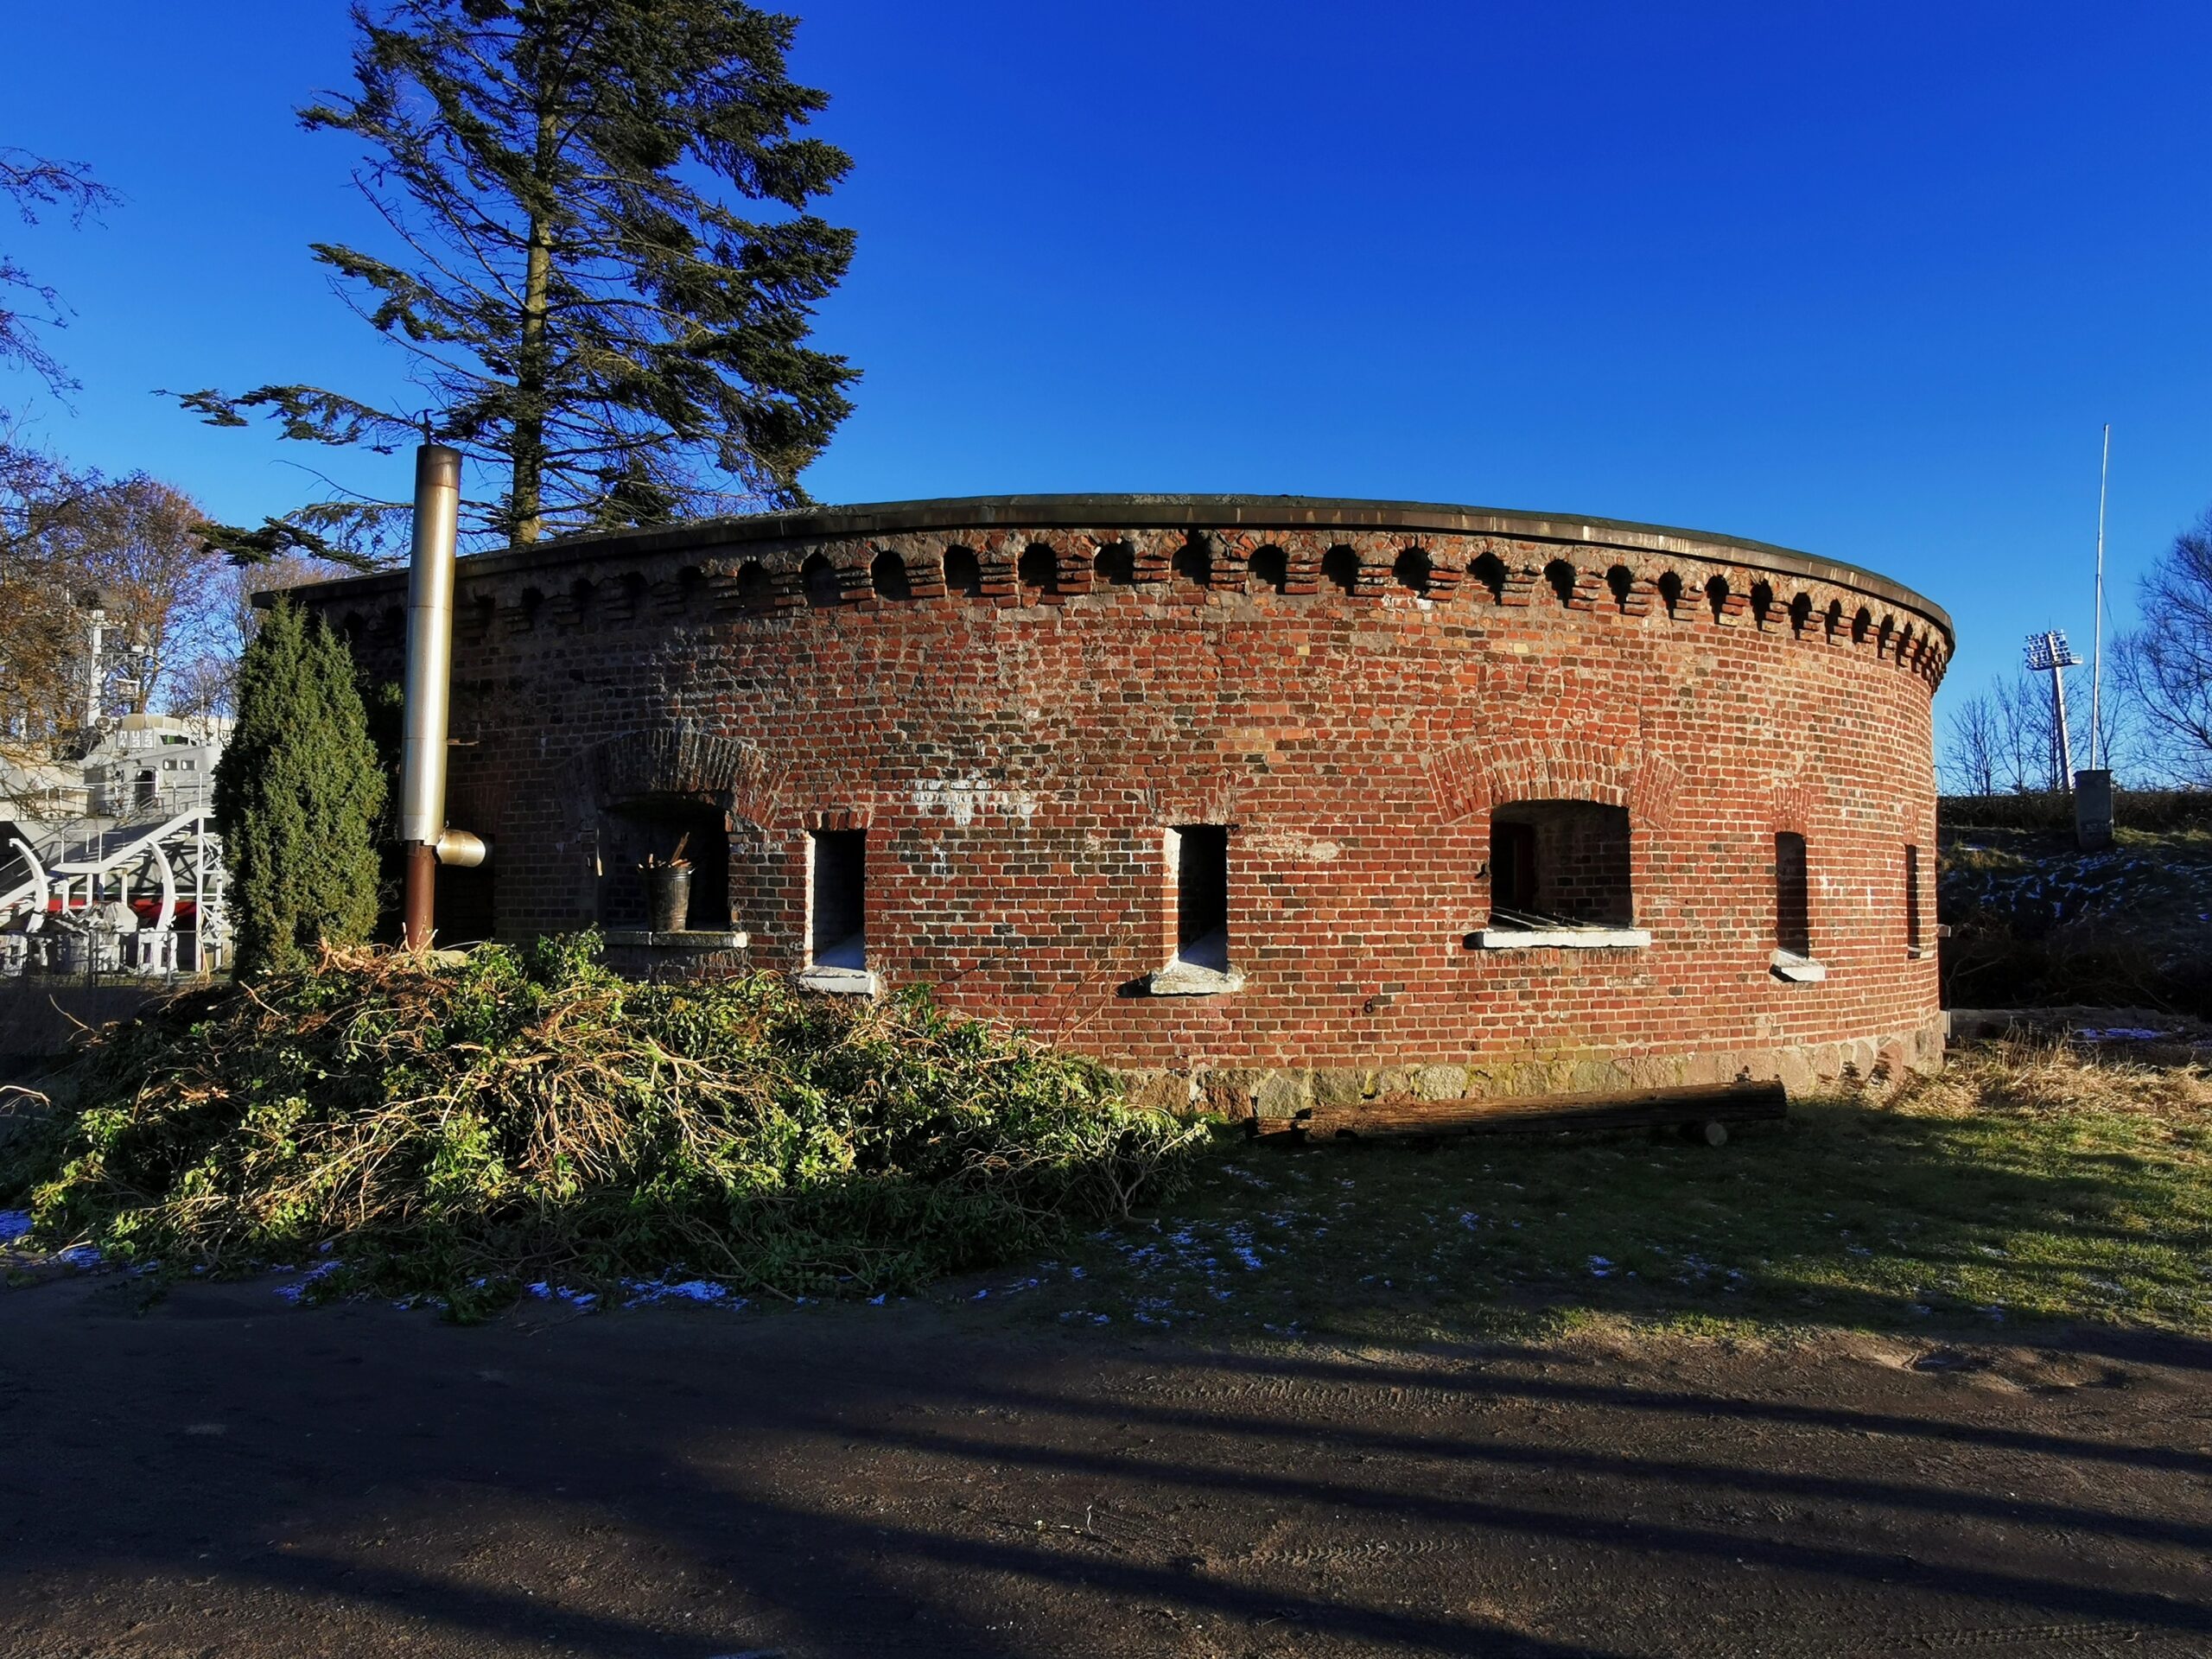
x: 2048, y: 653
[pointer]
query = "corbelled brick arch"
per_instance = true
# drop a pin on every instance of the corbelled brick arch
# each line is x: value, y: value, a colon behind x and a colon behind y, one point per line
x: 1031, y: 739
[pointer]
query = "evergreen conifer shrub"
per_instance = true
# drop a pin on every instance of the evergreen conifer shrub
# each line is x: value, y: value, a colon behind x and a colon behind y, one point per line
x: 298, y: 793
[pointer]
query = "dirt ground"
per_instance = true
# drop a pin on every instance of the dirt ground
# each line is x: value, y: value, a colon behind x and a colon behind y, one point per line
x: 228, y: 1474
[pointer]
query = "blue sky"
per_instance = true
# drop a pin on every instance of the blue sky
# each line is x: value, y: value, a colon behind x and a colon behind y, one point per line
x: 1864, y: 280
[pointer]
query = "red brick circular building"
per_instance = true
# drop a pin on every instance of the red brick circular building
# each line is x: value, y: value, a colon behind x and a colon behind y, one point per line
x: 1262, y: 800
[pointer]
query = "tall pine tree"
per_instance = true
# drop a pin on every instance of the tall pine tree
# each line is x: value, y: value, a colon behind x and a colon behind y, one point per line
x: 298, y: 797
x: 583, y: 318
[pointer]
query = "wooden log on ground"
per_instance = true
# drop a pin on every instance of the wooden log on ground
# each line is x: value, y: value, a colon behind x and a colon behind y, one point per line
x: 1698, y: 1106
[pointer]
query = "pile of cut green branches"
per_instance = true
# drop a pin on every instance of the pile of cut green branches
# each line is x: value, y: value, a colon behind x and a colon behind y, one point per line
x: 461, y: 1126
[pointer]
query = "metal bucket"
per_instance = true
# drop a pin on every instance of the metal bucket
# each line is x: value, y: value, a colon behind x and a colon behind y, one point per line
x: 668, y: 899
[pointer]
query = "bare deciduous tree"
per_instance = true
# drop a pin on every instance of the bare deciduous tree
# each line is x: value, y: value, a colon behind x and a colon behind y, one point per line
x: 134, y: 539
x: 66, y: 533
x: 1970, y: 746
x: 39, y: 624
x: 32, y: 182
x: 2022, y: 713
x: 1998, y: 741
x: 2166, y: 665
x: 204, y: 686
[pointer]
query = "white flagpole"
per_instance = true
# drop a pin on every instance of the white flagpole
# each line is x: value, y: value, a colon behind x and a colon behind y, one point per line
x: 2097, y: 637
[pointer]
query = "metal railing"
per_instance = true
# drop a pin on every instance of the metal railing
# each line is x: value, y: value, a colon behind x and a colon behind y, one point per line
x: 90, y: 955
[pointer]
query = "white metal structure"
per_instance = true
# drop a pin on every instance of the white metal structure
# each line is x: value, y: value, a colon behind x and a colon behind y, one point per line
x: 110, y: 864
x: 2048, y: 653
x: 71, y: 907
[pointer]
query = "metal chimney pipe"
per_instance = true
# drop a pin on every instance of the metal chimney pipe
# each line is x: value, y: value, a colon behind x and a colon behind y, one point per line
x: 429, y: 681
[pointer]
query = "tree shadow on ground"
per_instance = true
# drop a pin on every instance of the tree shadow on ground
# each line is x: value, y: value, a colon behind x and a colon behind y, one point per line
x: 869, y: 1483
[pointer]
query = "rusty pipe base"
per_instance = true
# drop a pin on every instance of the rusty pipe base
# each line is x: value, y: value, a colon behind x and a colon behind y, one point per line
x: 420, y: 909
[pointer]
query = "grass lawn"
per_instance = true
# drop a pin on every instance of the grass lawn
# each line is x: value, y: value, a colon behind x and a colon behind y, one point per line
x: 2024, y: 1187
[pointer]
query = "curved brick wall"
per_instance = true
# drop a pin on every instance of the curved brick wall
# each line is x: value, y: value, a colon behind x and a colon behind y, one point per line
x: 1349, y: 688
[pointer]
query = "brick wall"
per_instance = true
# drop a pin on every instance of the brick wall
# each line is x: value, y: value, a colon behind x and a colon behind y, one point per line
x: 1016, y: 745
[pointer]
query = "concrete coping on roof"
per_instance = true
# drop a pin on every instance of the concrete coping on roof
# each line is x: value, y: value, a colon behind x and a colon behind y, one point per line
x: 1103, y: 512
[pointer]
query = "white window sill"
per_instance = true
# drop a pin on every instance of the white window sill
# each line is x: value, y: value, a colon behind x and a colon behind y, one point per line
x: 1180, y: 978
x: 1558, y: 938
x: 840, y: 982
x: 1798, y: 970
x: 689, y: 939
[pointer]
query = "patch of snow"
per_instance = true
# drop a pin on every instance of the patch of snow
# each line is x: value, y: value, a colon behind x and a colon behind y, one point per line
x: 13, y: 1223
x: 79, y: 1255
x: 297, y: 1289
x: 646, y: 1293
x: 1599, y: 1268
x: 2120, y: 1034
x: 1470, y: 1220
x: 1250, y: 1257
x: 546, y: 1292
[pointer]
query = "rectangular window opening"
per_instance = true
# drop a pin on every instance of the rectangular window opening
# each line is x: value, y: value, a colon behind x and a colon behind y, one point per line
x: 837, y: 901
x: 1202, y: 895
x: 630, y: 832
x: 1560, y: 877
x: 1559, y: 865
x: 1793, y: 920
x: 1911, y: 897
